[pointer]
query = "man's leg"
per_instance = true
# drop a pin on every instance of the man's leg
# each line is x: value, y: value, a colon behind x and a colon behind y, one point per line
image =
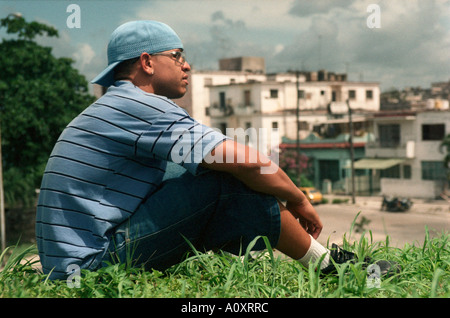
x: 212, y: 211
x: 293, y: 241
x: 296, y: 243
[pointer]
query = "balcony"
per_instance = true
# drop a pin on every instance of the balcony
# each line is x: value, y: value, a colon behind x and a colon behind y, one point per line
x: 216, y: 111
x: 243, y: 109
x: 375, y: 149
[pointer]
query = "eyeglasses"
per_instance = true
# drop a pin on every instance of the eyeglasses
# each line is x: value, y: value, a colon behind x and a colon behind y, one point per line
x: 180, y: 57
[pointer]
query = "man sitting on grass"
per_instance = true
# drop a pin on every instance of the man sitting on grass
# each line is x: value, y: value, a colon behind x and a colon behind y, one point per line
x: 134, y: 176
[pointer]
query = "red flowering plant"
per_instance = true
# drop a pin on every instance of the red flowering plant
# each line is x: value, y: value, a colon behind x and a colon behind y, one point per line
x: 297, y: 166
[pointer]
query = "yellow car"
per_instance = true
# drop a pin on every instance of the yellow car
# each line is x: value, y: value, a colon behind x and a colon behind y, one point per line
x: 314, y: 196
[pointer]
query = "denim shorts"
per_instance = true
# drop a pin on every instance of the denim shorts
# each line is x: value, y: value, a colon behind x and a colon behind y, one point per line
x: 213, y: 211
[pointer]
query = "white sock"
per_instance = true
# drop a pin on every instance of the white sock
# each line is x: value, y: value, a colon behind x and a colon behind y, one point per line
x: 315, y: 252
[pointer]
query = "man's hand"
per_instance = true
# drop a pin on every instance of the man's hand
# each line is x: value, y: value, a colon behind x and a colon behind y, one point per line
x: 307, y: 216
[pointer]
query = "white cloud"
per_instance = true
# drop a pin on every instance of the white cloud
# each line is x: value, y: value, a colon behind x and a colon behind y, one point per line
x: 86, y: 61
x: 411, y: 47
x: 278, y: 48
x: 83, y: 55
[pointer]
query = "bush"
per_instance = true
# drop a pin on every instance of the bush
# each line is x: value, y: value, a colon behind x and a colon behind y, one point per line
x: 339, y: 201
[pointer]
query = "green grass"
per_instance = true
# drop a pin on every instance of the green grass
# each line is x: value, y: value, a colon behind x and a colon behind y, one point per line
x: 425, y: 273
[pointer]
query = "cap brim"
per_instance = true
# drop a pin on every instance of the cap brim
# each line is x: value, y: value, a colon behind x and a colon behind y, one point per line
x: 106, y: 77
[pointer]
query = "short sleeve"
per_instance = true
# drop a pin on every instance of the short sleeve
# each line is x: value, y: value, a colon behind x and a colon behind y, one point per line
x: 178, y: 138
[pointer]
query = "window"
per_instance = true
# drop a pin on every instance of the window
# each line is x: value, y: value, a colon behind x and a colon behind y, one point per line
x: 433, y: 132
x: 406, y: 171
x: 222, y: 100
x: 274, y: 93
x: 274, y: 124
x: 322, y: 92
x: 433, y: 170
x: 369, y: 94
x: 301, y: 93
x: 247, y: 100
x: 352, y: 94
x: 389, y: 135
x: 304, y: 125
x: 392, y: 172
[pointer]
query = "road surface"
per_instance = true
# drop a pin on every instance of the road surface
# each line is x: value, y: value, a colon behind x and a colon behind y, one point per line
x: 408, y: 227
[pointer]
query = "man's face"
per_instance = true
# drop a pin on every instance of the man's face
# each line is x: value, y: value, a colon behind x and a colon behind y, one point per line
x: 170, y: 77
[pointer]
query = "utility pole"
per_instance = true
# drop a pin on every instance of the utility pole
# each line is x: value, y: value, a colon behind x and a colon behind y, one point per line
x: 297, y: 75
x: 352, y: 154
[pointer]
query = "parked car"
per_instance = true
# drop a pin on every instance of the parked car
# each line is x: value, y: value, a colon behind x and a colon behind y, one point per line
x: 314, y: 196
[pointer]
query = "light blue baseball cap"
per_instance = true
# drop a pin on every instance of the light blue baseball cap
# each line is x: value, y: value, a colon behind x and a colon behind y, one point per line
x: 132, y: 39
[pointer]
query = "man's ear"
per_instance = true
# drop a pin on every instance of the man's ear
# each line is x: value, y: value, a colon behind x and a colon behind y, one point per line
x: 147, y: 63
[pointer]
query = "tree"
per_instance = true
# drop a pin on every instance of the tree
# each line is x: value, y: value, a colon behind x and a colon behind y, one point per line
x: 39, y: 95
x: 288, y: 163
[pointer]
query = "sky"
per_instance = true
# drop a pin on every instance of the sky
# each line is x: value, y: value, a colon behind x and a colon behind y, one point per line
x: 397, y: 43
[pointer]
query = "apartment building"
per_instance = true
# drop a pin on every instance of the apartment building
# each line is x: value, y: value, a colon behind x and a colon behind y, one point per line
x: 272, y: 102
x: 405, y: 158
x: 231, y: 71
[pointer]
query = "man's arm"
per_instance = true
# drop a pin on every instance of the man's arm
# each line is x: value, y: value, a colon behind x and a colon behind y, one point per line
x: 247, y: 164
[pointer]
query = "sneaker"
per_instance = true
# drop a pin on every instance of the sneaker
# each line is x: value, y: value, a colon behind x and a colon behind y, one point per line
x: 339, y: 256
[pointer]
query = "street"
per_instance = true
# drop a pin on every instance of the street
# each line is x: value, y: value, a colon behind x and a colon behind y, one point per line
x: 402, y: 228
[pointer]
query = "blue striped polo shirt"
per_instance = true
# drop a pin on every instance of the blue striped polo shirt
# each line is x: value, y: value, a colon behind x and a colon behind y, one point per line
x: 108, y: 160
